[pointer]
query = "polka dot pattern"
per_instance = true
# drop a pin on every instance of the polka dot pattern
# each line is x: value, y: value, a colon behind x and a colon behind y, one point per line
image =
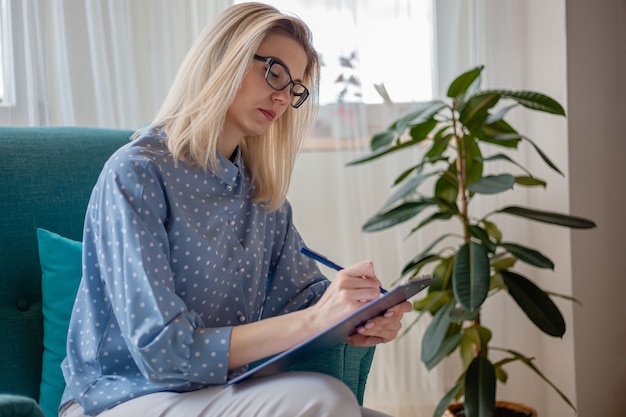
x: 173, y: 258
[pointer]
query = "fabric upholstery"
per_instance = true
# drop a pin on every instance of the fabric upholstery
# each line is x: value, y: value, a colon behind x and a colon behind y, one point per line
x: 18, y: 406
x: 46, y: 176
x: 349, y: 363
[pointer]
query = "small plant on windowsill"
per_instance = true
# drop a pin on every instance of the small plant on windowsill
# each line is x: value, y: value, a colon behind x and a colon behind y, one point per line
x: 348, y: 79
x: 477, y: 262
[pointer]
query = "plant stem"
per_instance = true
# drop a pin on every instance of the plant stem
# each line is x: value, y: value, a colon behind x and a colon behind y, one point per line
x: 460, y: 168
x: 461, y: 175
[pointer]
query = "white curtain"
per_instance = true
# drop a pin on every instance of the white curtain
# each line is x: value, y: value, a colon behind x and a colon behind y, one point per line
x: 104, y: 63
x: 332, y: 201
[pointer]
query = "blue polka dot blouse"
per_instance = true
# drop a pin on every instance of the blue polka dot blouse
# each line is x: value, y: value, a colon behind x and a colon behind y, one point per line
x: 173, y: 257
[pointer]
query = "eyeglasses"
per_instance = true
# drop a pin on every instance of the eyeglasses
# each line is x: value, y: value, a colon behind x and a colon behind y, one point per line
x: 278, y: 77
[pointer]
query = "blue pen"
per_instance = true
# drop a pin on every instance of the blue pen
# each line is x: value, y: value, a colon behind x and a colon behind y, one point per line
x: 325, y: 261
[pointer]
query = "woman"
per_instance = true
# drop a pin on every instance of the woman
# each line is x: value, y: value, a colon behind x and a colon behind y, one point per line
x: 185, y: 227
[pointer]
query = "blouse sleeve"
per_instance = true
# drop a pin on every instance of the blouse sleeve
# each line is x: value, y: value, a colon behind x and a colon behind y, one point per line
x: 126, y: 243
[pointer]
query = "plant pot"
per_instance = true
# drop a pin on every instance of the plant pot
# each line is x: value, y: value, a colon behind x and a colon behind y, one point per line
x: 503, y: 409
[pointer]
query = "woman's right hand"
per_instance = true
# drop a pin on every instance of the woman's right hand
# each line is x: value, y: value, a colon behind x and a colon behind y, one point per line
x: 347, y: 292
x: 351, y: 287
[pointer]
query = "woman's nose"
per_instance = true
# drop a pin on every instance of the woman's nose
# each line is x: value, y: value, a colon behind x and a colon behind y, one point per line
x: 283, y: 96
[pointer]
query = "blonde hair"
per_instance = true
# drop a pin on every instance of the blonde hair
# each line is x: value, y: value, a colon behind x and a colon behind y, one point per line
x: 194, y: 110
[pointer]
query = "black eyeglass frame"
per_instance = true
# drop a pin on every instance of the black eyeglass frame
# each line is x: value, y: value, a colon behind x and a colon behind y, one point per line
x: 301, y: 96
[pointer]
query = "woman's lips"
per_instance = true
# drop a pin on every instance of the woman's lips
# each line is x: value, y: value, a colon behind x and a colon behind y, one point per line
x: 269, y: 114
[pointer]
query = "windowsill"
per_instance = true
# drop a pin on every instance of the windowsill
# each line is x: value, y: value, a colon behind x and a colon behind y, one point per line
x: 349, y: 126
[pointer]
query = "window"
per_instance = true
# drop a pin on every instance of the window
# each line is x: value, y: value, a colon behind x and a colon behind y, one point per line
x: 376, y: 42
x: 7, y: 93
x: 364, y: 45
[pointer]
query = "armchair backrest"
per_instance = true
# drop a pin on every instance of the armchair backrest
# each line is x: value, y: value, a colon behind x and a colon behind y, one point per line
x: 46, y: 177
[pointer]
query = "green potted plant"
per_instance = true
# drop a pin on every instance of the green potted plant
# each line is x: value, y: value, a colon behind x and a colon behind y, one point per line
x: 460, y: 137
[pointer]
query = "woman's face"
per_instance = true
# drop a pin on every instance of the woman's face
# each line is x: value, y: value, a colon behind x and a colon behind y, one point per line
x: 256, y: 104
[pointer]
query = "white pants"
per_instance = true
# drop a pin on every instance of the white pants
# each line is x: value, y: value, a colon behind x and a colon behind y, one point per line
x: 291, y: 394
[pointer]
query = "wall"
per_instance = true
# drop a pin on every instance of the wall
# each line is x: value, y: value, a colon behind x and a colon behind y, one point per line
x: 596, y: 65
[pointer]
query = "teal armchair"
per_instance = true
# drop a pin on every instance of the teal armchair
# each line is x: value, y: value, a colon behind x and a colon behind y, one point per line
x: 46, y: 177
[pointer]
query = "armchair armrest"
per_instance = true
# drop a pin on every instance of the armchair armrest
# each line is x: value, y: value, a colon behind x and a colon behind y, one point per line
x: 19, y: 406
x: 351, y: 364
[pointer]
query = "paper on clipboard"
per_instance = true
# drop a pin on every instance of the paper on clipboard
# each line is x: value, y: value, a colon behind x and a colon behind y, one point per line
x: 338, y: 332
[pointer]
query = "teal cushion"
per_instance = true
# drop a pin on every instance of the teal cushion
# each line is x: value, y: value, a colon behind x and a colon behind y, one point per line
x: 60, y: 259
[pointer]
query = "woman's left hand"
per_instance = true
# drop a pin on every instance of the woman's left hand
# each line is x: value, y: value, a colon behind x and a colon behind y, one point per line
x: 381, y: 329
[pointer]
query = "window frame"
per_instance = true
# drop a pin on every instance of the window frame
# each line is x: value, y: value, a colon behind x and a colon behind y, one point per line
x: 7, y: 61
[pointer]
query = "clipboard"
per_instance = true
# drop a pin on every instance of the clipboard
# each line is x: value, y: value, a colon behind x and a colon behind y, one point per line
x: 337, y: 333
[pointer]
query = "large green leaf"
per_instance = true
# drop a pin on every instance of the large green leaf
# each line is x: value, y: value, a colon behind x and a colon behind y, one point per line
x: 503, y: 262
x: 418, y: 263
x: 408, y: 171
x: 498, y: 132
x: 433, y: 217
x: 503, y: 157
x: 475, y: 338
x: 498, y: 115
x: 535, y: 303
x: 422, y: 131
x: 470, y: 275
x: 423, y: 113
x: 439, y: 146
x: 407, y: 189
x: 505, y: 140
x: 396, y: 215
x: 447, y: 399
x: 444, y: 271
x: 447, y: 187
x: 528, y: 255
x: 543, y: 155
x: 480, y: 388
x: 419, y: 168
x: 473, y: 160
x: 466, y: 349
x: 459, y: 314
x: 533, y: 100
x: 418, y: 133
x: 447, y: 206
x: 382, y: 152
x: 493, y: 230
x: 460, y: 84
x: 482, y: 235
x: 549, y: 217
x: 493, y: 184
x: 425, y: 252
x: 482, y: 335
x: 529, y: 362
x: 447, y: 346
x: 529, y: 181
x: 433, y: 302
x: 436, y: 332
x: 382, y: 139
x: 476, y: 110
